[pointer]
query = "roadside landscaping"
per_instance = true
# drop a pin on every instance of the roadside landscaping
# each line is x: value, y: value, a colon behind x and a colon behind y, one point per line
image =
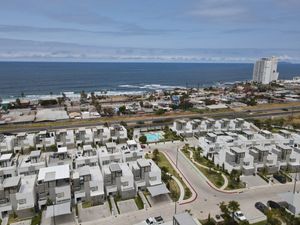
x: 214, y: 174
x: 166, y: 168
x: 170, y: 135
x: 139, y: 202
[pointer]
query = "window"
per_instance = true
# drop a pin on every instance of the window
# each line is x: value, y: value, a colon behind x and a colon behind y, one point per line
x: 60, y: 195
x: 22, y: 201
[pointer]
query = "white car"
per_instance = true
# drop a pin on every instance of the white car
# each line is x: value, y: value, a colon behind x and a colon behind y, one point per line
x: 238, y: 216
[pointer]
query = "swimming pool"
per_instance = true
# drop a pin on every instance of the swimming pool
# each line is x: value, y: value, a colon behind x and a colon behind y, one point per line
x: 154, y: 136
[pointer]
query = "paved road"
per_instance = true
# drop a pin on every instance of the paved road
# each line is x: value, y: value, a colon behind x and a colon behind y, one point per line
x: 15, y: 128
x: 209, y: 198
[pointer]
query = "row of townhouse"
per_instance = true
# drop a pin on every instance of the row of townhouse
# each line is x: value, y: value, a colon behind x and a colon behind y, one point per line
x: 57, y: 180
x: 252, y: 151
x: 71, y: 138
x: 197, y: 127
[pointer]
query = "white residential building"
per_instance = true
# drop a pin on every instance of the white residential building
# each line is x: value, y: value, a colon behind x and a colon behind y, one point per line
x: 101, y: 135
x: 8, y: 166
x: 87, y: 184
x: 32, y: 163
x: 131, y: 151
x: 146, y: 173
x: 83, y: 136
x: 265, y: 70
x: 17, y: 194
x: 65, y: 138
x: 23, y: 142
x: 54, y: 190
x: 61, y: 157
x: 86, y: 157
x: 251, y: 151
x: 118, y: 180
x: 118, y: 133
x: 109, y: 154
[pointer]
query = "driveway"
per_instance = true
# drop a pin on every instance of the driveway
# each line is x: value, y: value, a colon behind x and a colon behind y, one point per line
x: 94, y: 213
x: 253, y: 181
x: 127, y: 206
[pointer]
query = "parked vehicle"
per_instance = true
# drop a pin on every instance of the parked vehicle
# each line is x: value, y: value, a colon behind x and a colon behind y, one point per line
x: 238, y: 216
x: 281, y: 178
x: 261, y: 207
x: 273, y: 204
x: 154, y: 220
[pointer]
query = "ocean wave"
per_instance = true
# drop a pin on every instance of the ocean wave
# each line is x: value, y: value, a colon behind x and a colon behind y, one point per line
x: 128, y: 86
x: 71, y: 95
x: 159, y: 87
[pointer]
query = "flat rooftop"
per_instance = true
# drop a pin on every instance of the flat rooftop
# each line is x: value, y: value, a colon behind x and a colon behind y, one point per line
x: 54, y: 173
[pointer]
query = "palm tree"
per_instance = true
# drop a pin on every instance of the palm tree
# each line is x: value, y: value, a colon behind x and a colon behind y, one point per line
x: 233, y: 206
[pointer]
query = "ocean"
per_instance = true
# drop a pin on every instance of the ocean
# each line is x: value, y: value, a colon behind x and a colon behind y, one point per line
x: 39, y: 79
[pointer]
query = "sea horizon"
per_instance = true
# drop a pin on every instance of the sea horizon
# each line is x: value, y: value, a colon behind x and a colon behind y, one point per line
x: 38, y: 79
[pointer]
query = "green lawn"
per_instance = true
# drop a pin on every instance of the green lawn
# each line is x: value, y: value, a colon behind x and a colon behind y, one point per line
x: 162, y: 161
x: 87, y: 204
x: 213, y: 176
x: 139, y: 202
x: 260, y: 223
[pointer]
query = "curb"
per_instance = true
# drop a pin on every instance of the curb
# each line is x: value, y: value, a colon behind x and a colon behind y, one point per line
x: 196, y: 194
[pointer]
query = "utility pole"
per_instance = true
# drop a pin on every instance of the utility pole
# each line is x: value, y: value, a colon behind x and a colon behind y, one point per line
x: 295, y: 183
x: 176, y: 164
x: 177, y: 158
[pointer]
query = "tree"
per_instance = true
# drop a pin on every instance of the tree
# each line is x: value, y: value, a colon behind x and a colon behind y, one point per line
x: 141, y: 103
x: 143, y: 139
x: 122, y: 109
x: 155, y: 154
x: 160, y: 112
x: 83, y: 96
x: 233, y: 206
x: 18, y: 102
x: 109, y: 111
x: 224, y: 209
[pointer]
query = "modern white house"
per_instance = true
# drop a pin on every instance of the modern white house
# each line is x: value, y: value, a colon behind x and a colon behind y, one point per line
x: 101, y: 135
x: 6, y: 144
x: 118, y: 133
x: 83, y: 136
x: 196, y: 127
x: 251, y: 150
x: 131, y: 151
x: 17, y: 194
x: 145, y: 173
x: 86, y: 157
x: 45, y: 140
x: 88, y: 185
x: 118, y: 180
x: 53, y: 188
x: 109, y: 154
x: 23, y: 142
x: 32, y: 163
x: 8, y: 166
x: 61, y: 157
x: 65, y: 138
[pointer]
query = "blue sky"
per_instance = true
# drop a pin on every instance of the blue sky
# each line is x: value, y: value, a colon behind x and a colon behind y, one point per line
x: 149, y: 30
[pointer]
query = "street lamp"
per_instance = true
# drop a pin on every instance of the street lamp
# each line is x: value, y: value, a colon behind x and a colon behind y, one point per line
x: 176, y: 164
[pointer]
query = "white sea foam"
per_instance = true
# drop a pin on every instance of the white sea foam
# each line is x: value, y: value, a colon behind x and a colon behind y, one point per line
x: 159, y: 87
x: 128, y: 86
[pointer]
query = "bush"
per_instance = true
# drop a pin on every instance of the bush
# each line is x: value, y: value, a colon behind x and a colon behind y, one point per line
x: 143, y: 139
x: 48, y: 102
